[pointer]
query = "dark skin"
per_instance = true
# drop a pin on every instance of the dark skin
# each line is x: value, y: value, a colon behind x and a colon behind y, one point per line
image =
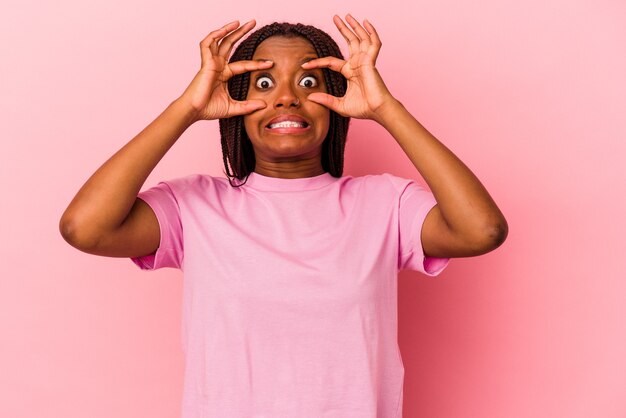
x: 285, y: 88
x: 465, y: 221
x: 106, y: 217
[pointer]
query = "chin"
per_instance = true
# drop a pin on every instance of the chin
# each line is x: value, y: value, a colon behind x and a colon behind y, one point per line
x: 288, y: 148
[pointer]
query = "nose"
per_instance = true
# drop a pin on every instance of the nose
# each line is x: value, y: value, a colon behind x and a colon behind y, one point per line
x: 286, y: 97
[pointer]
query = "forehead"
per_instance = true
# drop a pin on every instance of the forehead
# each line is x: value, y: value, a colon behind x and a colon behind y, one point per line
x: 280, y: 47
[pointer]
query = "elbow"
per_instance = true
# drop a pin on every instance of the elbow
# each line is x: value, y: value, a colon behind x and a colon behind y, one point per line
x: 67, y: 231
x: 74, y: 235
x: 498, y: 233
x: 487, y: 238
x: 493, y: 236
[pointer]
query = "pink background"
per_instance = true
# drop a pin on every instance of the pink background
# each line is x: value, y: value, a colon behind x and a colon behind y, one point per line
x: 531, y: 95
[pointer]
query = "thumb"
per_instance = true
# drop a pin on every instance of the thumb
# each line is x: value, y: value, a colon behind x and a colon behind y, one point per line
x: 328, y: 100
x: 244, y: 107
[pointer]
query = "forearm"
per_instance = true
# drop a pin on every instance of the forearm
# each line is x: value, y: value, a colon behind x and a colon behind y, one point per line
x: 105, y: 200
x: 465, y: 204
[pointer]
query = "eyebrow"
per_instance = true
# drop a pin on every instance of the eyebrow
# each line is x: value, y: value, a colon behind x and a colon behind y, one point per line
x: 301, y: 61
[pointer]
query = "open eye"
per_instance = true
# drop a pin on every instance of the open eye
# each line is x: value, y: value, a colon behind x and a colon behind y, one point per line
x: 264, y: 82
x: 308, y: 81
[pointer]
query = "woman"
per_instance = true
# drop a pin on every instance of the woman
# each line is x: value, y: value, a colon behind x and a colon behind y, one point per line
x: 290, y: 268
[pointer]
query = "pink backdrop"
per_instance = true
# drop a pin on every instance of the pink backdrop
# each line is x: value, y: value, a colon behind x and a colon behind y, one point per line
x: 529, y: 94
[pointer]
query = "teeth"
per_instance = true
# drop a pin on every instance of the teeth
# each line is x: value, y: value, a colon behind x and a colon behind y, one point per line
x: 287, y: 124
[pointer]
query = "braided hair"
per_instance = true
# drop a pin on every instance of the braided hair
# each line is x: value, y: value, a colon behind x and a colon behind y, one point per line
x: 236, y: 145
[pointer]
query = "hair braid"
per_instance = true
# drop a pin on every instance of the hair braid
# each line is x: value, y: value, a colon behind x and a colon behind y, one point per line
x: 237, y: 148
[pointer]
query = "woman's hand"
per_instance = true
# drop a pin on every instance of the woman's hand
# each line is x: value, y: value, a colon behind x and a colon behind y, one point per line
x: 366, y: 94
x: 208, y: 92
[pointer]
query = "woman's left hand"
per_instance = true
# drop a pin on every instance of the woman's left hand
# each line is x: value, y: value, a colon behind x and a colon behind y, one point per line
x: 366, y: 93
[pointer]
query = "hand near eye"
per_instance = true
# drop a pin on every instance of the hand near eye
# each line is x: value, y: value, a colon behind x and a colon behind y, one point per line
x: 208, y: 92
x: 366, y: 93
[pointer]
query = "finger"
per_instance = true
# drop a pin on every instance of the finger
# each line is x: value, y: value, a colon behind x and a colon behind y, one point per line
x: 353, y: 41
x: 227, y: 43
x: 244, y: 107
x: 333, y: 63
x: 327, y: 100
x: 373, y: 34
x: 356, y: 26
x: 376, y: 42
x: 210, y: 41
x: 243, y: 66
x: 361, y: 33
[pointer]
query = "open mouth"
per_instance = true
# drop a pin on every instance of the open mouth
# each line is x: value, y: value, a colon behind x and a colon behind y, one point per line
x: 288, y: 124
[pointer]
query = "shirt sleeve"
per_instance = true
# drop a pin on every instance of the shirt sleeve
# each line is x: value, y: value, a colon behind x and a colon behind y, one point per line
x: 163, y: 202
x: 415, y: 203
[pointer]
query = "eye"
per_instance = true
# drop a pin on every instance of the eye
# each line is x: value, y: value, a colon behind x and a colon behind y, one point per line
x: 264, y: 82
x: 308, y: 81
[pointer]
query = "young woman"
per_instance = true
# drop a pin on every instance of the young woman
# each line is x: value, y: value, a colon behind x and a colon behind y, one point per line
x: 290, y: 268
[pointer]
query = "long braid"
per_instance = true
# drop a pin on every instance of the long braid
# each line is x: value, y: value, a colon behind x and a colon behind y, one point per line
x: 236, y: 145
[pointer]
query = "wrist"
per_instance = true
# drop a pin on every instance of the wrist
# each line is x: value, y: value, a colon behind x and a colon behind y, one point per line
x: 189, y: 113
x: 388, y: 111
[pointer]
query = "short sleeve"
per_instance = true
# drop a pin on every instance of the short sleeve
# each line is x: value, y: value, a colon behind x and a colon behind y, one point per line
x: 163, y: 202
x: 415, y: 203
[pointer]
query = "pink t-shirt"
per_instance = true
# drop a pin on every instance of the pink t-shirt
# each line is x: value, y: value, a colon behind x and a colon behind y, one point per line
x: 290, y: 291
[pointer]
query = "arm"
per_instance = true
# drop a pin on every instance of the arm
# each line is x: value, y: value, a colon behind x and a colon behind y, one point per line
x: 466, y: 221
x: 106, y: 217
x: 97, y: 220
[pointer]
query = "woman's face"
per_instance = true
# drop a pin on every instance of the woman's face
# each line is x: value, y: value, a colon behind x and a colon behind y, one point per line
x: 290, y: 128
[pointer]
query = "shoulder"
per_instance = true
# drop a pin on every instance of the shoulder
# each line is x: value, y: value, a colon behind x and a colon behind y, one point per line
x: 194, y: 183
x: 379, y: 182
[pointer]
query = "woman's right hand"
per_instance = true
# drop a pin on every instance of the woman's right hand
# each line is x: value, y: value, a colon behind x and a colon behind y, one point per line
x: 208, y: 94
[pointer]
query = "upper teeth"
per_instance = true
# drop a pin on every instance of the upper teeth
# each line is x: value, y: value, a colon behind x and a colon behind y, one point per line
x: 287, y: 124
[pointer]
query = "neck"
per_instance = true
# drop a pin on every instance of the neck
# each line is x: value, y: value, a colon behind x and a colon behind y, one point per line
x: 289, y: 169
